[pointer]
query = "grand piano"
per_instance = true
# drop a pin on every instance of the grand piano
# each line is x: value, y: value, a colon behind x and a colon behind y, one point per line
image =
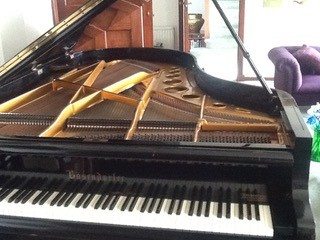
x: 140, y: 143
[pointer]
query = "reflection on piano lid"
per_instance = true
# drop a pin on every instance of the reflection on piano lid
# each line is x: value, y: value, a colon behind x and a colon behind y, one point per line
x: 187, y: 140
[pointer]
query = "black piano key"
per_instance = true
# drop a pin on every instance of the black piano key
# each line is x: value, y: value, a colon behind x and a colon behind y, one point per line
x: 22, y: 186
x: 10, y: 187
x: 181, y: 199
x: 228, y: 202
x: 68, y: 192
x: 240, y: 200
x: 6, y: 193
x: 31, y: 186
x: 146, y: 200
x: 104, y: 194
x: 93, y: 194
x: 40, y: 183
x: 256, y: 205
x: 111, y: 195
x: 117, y: 196
x: 53, y: 186
x: 28, y: 188
x: 201, y: 199
x: 76, y: 191
x: 133, y: 189
x: 4, y: 180
x: 249, y: 212
x: 62, y: 192
x: 194, y: 198
x: 86, y: 193
x: 208, y: 201
x: 220, y: 202
x: 43, y: 190
x: 155, y: 195
x: 175, y: 196
x: 162, y: 197
x: 135, y: 199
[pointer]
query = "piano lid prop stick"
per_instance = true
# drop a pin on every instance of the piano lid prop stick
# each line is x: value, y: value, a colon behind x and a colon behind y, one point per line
x: 243, y: 49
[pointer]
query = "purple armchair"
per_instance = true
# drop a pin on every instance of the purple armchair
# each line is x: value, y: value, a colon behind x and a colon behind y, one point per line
x: 298, y: 79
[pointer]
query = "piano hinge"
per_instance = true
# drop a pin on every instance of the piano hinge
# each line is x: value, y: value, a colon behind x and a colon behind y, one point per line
x: 37, y: 68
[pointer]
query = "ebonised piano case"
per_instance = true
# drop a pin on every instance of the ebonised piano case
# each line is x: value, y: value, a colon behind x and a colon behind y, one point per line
x: 140, y: 143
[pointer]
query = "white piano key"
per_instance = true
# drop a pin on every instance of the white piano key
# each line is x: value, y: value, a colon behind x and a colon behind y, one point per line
x: 255, y: 223
x: 202, y: 220
x: 161, y: 220
x: 120, y: 217
x: 29, y: 209
x: 134, y: 216
x: 166, y: 220
x: 6, y: 207
x: 247, y: 224
x: 231, y: 220
x: 224, y: 226
x: 268, y: 228
x: 182, y: 220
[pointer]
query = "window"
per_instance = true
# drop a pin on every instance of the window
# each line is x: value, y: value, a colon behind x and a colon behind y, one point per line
x: 271, y: 23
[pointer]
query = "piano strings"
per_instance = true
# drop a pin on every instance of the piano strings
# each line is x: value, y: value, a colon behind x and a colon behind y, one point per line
x: 83, y: 99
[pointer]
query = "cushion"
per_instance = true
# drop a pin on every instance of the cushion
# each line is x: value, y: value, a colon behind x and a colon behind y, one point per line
x: 309, y: 59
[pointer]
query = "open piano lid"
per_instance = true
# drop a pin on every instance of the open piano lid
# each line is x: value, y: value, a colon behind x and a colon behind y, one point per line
x: 57, y: 46
x: 51, y: 92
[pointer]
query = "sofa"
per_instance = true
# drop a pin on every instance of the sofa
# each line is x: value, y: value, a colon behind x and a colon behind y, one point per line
x: 297, y: 71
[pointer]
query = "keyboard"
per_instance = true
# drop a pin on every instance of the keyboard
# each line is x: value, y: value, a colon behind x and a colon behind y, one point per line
x: 226, y: 208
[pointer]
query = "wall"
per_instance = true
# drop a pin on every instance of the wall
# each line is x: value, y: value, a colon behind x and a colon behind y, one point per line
x: 166, y: 13
x: 22, y: 22
x: 1, y: 53
x: 197, y: 6
x: 30, y: 23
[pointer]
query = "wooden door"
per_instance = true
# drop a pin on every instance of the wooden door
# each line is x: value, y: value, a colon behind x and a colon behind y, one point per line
x: 63, y: 8
x: 184, y: 43
x: 126, y: 23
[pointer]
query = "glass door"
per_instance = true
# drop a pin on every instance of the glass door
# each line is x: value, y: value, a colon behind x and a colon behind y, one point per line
x: 272, y: 23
